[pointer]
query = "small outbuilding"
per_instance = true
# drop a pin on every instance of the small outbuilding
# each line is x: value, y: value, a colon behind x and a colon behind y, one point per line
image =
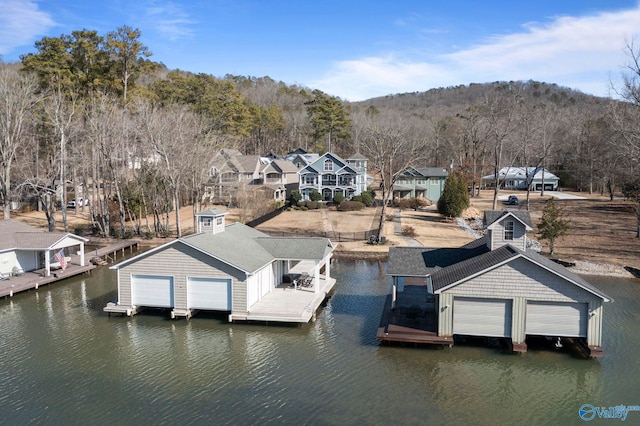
x: 497, y: 287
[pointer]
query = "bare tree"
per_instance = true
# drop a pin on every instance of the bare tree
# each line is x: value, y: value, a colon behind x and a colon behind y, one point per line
x: 499, y: 111
x: 625, y: 118
x: 17, y: 101
x: 390, y: 152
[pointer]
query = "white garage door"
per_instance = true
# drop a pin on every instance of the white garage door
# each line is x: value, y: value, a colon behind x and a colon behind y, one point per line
x: 557, y: 319
x: 482, y: 317
x: 152, y: 291
x: 209, y: 293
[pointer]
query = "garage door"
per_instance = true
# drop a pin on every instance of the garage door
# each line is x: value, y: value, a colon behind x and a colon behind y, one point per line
x: 482, y: 317
x: 557, y: 319
x: 152, y: 291
x: 209, y: 293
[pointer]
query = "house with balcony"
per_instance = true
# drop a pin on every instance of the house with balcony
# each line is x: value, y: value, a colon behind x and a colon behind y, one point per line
x: 329, y: 175
x: 358, y: 162
x: 420, y: 182
x: 233, y: 171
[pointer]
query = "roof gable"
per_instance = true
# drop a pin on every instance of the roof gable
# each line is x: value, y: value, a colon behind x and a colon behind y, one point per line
x: 493, y: 217
x: 247, y: 249
x: 463, y: 271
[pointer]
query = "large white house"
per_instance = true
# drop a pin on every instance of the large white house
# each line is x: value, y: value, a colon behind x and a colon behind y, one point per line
x: 517, y: 178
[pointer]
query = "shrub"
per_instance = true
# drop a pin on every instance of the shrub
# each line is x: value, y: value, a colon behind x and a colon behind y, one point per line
x: 295, y: 197
x: 315, y: 196
x: 408, y: 231
x: 351, y: 206
x: 389, y: 217
x: 367, y: 199
x: 338, y: 198
x: 402, y: 203
x: 149, y: 235
x: 312, y: 205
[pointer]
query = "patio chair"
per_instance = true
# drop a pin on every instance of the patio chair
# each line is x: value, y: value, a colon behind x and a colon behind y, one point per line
x: 17, y: 271
x: 4, y: 276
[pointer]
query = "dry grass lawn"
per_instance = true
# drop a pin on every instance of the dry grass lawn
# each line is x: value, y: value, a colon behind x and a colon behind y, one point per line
x: 601, y: 231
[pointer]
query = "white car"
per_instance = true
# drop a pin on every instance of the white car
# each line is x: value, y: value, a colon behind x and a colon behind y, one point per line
x: 81, y: 202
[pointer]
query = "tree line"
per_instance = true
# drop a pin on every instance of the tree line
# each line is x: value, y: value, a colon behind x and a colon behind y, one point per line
x: 94, y: 114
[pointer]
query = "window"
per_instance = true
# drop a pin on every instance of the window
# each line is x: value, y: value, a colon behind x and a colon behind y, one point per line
x: 218, y: 221
x: 328, y: 165
x: 206, y: 221
x: 508, y: 230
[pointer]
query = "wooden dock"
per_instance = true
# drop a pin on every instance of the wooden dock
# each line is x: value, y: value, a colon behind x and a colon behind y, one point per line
x: 287, y: 304
x: 110, y: 253
x: 410, y: 324
x: 36, y: 279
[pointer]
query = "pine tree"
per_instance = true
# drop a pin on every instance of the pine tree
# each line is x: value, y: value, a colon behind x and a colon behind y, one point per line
x: 454, y: 198
x: 552, y: 225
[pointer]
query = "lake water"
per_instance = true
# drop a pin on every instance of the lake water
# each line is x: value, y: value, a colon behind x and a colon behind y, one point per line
x: 66, y: 362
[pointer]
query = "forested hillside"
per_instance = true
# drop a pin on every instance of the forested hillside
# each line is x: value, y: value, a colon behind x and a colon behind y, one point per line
x: 99, y: 112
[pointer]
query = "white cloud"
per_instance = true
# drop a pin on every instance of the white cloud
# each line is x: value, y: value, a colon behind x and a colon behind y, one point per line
x: 577, y: 52
x: 170, y: 20
x: 20, y: 22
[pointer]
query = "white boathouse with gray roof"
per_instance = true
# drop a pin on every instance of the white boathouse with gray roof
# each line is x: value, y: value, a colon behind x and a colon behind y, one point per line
x: 228, y: 268
x: 492, y: 287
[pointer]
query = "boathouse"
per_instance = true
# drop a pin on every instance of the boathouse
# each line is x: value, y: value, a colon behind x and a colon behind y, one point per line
x: 492, y: 287
x: 24, y: 249
x: 228, y: 268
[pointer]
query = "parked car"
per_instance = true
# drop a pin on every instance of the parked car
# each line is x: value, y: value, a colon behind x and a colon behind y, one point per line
x: 80, y: 201
x: 512, y: 200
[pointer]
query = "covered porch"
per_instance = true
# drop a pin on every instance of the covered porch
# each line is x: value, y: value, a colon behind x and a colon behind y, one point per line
x: 290, y: 303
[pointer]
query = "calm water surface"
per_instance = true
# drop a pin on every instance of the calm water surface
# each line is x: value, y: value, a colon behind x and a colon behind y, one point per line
x: 64, y: 361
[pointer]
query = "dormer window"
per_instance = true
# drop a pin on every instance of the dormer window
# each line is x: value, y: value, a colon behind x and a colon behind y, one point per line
x: 508, y: 230
x: 328, y: 165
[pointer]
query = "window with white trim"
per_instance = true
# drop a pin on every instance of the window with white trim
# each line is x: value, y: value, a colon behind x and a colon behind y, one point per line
x: 328, y: 165
x: 508, y: 230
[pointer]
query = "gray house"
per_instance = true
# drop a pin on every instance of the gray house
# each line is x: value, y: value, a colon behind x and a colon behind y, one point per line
x: 233, y: 269
x: 494, y: 287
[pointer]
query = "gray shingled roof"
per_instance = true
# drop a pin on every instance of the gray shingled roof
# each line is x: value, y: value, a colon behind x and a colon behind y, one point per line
x: 423, y: 261
x: 432, y: 171
x: 491, y: 216
x: 466, y: 269
x: 212, y: 212
x: 17, y: 235
x: 248, y: 249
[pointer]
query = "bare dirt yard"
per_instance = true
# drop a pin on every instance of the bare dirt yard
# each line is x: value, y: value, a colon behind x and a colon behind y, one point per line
x: 602, y: 232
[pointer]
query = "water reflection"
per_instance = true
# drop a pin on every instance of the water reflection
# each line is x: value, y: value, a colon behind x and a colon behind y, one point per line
x: 65, y: 361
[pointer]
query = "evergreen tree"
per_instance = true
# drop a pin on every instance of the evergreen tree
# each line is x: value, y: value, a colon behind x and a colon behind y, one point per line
x: 552, y: 225
x: 455, y: 196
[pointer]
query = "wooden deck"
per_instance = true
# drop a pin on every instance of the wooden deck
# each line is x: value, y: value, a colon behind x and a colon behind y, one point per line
x: 288, y: 304
x: 110, y: 253
x: 410, y: 323
x: 36, y: 279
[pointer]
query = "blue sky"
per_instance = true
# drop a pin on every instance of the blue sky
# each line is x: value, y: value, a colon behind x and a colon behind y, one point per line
x: 356, y: 49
